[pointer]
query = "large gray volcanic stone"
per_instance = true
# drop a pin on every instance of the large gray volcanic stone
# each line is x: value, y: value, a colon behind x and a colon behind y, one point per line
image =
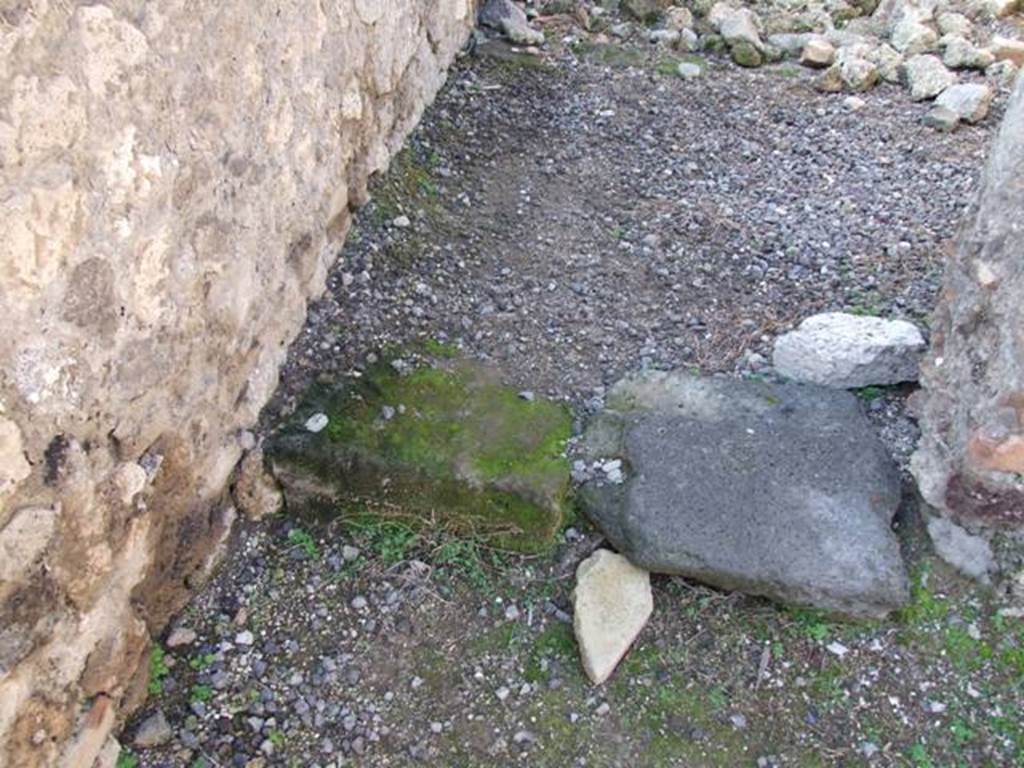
x: 776, y: 490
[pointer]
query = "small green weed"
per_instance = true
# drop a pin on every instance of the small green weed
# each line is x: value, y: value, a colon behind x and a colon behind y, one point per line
x: 301, y: 539
x: 463, y: 556
x: 961, y: 733
x: 966, y: 653
x: 554, y: 642
x: 440, y: 349
x: 864, y: 311
x: 718, y: 698
x: 276, y: 738
x: 158, y: 670
x: 925, y: 607
x: 126, y: 760
x: 200, y: 693
x: 391, y: 540
x: 918, y: 756
x: 785, y: 70
x: 868, y: 394
x: 202, y: 661
x: 812, y: 623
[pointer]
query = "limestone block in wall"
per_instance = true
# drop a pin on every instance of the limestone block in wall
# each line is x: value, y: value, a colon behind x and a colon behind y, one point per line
x: 175, y: 180
x: 970, y: 463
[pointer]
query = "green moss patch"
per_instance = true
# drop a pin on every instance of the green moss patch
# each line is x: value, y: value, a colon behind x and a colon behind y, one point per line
x: 448, y: 447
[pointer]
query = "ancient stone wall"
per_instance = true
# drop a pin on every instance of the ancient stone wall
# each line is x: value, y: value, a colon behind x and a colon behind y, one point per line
x: 971, y: 461
x: 175, y: 178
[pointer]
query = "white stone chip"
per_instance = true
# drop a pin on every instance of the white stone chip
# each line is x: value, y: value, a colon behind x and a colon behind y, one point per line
x: 612, y: 602
x: 845, y: 351
x: 970, y: 101
x: 316, y: 422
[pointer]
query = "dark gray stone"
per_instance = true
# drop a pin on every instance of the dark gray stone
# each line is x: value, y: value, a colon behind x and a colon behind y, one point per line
x: 776, y: 490
x: 153, y: 731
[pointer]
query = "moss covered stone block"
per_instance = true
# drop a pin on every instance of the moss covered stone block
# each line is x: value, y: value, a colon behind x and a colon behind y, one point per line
x: 445, y: 446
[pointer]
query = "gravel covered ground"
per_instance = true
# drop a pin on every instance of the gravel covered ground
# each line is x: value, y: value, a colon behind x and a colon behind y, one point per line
x: 570, y: 219
x: 577, y: 217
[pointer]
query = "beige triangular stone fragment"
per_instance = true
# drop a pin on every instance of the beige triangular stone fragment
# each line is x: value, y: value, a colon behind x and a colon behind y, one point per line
x: 611, y: 604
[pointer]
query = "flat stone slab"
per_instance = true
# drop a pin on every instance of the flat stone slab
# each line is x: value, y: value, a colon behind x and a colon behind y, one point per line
x: 777, y: 490
x: 836, y: 349
x: 442, y: 445
x: 611, y: 605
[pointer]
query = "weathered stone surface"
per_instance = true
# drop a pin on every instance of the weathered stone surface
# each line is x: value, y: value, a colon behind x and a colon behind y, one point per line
x: 255, y: 492
x: 969, y: 101
x: 889, y: 63
x: 942, y: 119
x: 951, y: 23
x: 958, y: 53
x: 509, y: 19
x: 790, y: 43
x: 1002, y: 73
x: 1007, y: 49
x: 858, y: 75
x: 829, y: 81
x: 911, y: 38
x: 835, y: 349
x: 646, y: 11
x: 1002, y: 8
x: 777, y: 490
x: 741, y: 26
x: 14, y: 467
x: 970, y: 463
x: 746, y: 54
x: 611, y: 603
x: 688, y: 70
x: 181, y: 636
x: 926, y: 77
x: 175, y: 179
x: 678, y: 19
x: 817, y: 53
x: 449, y: 443
x: 971, y: 555
x: 22, y: 541
x: 153, y: 731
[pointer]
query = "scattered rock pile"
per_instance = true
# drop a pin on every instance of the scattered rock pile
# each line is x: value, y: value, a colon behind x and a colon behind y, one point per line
x: 926, y: 46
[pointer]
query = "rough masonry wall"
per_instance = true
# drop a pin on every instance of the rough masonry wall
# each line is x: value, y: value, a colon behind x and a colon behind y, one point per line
x: 175, y: 178
x: 971, y: 461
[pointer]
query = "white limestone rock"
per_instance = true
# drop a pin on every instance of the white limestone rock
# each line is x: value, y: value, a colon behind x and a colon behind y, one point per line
x: 818, y: 53
x: 889, y: 62
x: 1001, y: 8
x: 846, y: 351
x: 959, y: 53
x: 969, y: 554
x: 742, y: 26
x: 1007, y: 49
x: 611, y: 604
x: 858, y: 74
x: 942, y: 119
x: 911, y: 38
x: 970, y: 101
x: 954, y: 24
x: 926, y: 77
x: 678, y: 19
